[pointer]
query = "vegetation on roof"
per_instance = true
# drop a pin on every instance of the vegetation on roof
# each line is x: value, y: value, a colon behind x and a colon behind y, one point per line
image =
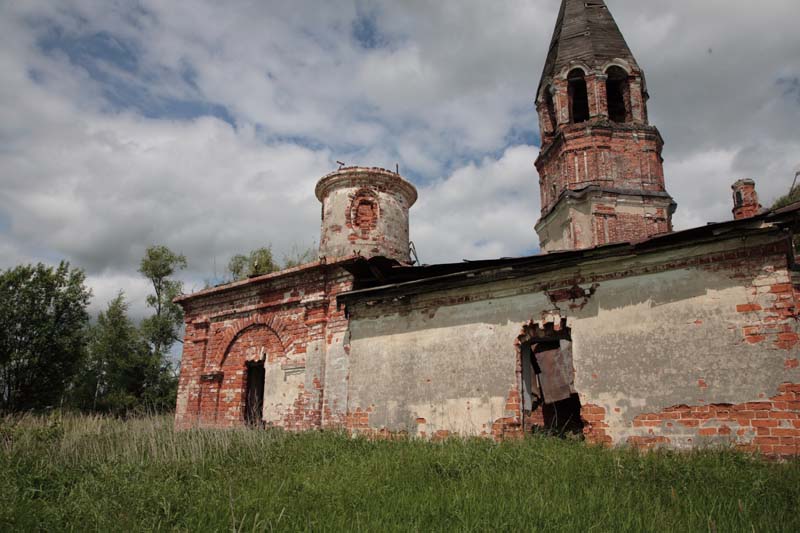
x: 788, y: 198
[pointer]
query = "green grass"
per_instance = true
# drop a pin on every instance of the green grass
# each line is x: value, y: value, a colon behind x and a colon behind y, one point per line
x: 100, y: 474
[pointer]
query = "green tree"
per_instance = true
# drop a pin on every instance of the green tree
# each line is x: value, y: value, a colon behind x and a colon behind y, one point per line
x: 43, y: 326
x: 161, y: 329
x: 118, y: 370
x: 256, y: 263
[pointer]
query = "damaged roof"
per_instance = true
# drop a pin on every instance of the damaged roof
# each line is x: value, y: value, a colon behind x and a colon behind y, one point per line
x: 374, y: 277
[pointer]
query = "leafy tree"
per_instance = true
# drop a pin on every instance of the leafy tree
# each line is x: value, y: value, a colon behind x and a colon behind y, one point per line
x: 256, y: 263
x: 43, y: 326
x: 114, y: 375
x: 161, y: 330
x: 237, y: 267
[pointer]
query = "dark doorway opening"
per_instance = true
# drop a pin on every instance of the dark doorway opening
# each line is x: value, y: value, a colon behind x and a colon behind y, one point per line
x: 563, y: 416
x: 578, y: 97
x: 254, y: 393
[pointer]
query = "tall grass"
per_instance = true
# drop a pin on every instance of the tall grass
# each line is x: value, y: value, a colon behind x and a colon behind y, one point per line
x: 102, y: 474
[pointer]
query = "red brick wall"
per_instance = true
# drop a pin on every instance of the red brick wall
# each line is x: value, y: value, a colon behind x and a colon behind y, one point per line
x: 272, y: 318
x: 252, y: 344
x: 601, y: 155
x: 771, y: 426
x: 748, y: 206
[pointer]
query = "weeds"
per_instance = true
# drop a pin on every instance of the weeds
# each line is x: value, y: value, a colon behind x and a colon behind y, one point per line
x: 97, y: 473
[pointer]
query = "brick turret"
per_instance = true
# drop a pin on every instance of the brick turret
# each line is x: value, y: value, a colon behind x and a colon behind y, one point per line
x: 600, y: 165
x: 365, y: 212
x: 745, y: 199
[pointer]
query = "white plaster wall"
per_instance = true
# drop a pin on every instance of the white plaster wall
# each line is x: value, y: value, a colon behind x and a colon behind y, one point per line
x: 388, y: 239
x: 641, y: 344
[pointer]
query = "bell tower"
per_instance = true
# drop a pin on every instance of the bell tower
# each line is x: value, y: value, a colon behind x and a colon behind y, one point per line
x: 600, y: 168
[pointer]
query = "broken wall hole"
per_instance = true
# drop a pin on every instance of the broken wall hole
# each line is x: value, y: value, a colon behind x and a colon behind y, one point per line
x: 550, y: 402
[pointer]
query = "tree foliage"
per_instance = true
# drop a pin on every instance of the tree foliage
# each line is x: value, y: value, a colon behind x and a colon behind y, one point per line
x: 161, y: 329
x: 256, y: 263
x: 120, y: 373
x: 43, y: 326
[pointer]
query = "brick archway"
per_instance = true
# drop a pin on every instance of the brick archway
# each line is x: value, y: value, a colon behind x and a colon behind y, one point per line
x: 239, y: 327
x: 263, y: 336
x: 246, y: 342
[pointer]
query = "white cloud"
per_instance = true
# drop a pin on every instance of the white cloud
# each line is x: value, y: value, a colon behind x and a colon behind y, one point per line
x: 448, y: 98
x: 480, y: 211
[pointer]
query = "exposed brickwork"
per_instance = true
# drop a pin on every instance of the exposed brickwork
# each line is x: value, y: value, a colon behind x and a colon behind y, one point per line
x: 600, y: 154
x: 254, y: 343
x: 362, y: 217
x: 745, y: 199
x: 510, y: 425
x: 771, y: 311
x: 602, y: 181
x: 612, y: 151
x: 771, y: 427
x: 594, y: 425
x: 272, y: 319
x: 758, y: 269
x: 365, y: 211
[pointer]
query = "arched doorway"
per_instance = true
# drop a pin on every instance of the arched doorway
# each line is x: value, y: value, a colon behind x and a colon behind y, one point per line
x: 243, y: 367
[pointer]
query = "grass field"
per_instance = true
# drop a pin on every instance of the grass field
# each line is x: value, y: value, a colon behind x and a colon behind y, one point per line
x: 99, y: 474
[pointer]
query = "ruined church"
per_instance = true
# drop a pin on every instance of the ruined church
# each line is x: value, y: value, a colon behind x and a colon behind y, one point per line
x: 621, y: 330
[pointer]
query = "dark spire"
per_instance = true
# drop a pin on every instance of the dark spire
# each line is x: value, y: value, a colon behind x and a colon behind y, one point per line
x: 585, y: 31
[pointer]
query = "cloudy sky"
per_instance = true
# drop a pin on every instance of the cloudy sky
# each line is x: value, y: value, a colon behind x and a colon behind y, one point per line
x: 204, y: 125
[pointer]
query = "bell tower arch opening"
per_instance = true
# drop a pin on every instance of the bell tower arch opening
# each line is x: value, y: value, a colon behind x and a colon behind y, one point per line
x: 618, y: 95
x: 605, y: 159
x: 578, y: 96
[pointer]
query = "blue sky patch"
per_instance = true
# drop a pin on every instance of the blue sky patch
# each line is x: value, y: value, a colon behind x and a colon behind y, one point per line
x: 114, y: 64
x: 366, y: 33
x: 89, y: 51
x: 525, y: 136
